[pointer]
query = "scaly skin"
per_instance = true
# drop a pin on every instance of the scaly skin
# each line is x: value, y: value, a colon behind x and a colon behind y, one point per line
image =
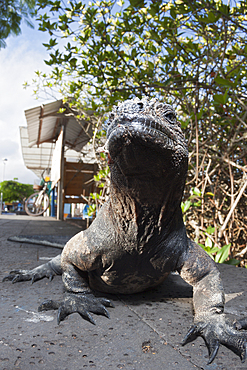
x: 139, y: 237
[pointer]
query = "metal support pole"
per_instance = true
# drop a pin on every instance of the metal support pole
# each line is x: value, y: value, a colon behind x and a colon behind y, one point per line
x: 53, y: 203
x: 1, y: 203
x: 60, y: 194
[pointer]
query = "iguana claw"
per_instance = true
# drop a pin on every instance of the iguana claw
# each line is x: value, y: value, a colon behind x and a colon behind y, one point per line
x: 80, y: 303
x: 216, y: 330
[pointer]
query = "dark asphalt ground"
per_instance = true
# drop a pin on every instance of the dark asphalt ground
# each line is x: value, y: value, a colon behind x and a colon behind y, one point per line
x: 143, y: 333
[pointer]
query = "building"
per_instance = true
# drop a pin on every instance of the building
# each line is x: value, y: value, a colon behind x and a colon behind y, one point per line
x: 56, y: 141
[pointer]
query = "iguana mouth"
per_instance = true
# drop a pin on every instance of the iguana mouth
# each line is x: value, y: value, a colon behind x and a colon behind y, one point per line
x: 149, y: 126
x: 144, y: 124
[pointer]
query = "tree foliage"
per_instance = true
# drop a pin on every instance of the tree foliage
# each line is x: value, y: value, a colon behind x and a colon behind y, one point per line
x: 192, y: 54
x: 172, y: 49
x: 15, y: 191
x: 12, y: 12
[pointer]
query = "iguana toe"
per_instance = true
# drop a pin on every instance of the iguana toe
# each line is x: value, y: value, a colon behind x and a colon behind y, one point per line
x: 49, y: 305
x: 241, y: 324
x: 106, y: 302
x: 213, y: 346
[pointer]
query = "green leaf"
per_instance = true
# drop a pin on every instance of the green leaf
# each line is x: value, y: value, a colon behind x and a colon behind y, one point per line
x: 215, y: 250
x: 199, y: 115
x: 222, y: 255
x: 197, y: 204
x: 133, y: 53
x: 173, y: 12
x: 137, y: 3
x: 233, y: 262
x: 185, y: 124
x: 222, y: 81
x: 224, y: 9
x: 219, y: 98
x: 196, y: 192
x: 185, y: 205
x: 73, y: 62
x: 210, y: 230
x: 208, y: 243
x: 207, y: 250
x: 209, y: 18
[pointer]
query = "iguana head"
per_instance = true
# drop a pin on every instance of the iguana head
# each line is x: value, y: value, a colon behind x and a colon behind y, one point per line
x: 145, y: 144
x: 145, y: 125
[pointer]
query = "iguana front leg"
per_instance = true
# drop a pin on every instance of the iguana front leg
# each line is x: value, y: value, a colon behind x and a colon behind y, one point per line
x: 210, y: 322
x: 49, y: 270
x: 76, y: 260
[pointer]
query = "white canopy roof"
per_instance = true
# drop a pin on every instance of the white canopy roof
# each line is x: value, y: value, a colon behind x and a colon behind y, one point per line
x: 38, y: 158
x: 43, y: 128
x: 44, y: 125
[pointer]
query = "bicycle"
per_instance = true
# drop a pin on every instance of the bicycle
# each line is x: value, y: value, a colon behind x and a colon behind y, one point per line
x: 37, y: 203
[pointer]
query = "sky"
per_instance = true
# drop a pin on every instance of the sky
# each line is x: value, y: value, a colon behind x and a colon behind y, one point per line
x: 22, y: 56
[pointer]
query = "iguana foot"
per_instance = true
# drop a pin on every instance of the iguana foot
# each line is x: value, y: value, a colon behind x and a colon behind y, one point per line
x: 83, y: 303
x: 216, y: 330
x: 37, y: 273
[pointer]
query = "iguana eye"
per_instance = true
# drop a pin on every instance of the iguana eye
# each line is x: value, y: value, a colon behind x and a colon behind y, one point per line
x: 110, y: 118
x: 170, y: 116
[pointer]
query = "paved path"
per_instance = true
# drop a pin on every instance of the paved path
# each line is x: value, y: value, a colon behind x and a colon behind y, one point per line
x: 143, y: 333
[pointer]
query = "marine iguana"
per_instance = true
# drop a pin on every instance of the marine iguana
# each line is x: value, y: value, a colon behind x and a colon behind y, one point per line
x: 138, y: 236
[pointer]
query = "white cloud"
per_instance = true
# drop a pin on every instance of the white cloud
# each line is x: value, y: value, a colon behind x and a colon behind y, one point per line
x: 18, y: 61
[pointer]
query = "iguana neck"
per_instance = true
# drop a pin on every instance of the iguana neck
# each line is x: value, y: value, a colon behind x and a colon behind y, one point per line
x: 144, y: 202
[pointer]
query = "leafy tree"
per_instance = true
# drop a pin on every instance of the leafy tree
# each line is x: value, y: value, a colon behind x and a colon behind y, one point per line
x: 12, y: 12
x: 192, y: 54
x: 175, y: 49
x: 15, y: 191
